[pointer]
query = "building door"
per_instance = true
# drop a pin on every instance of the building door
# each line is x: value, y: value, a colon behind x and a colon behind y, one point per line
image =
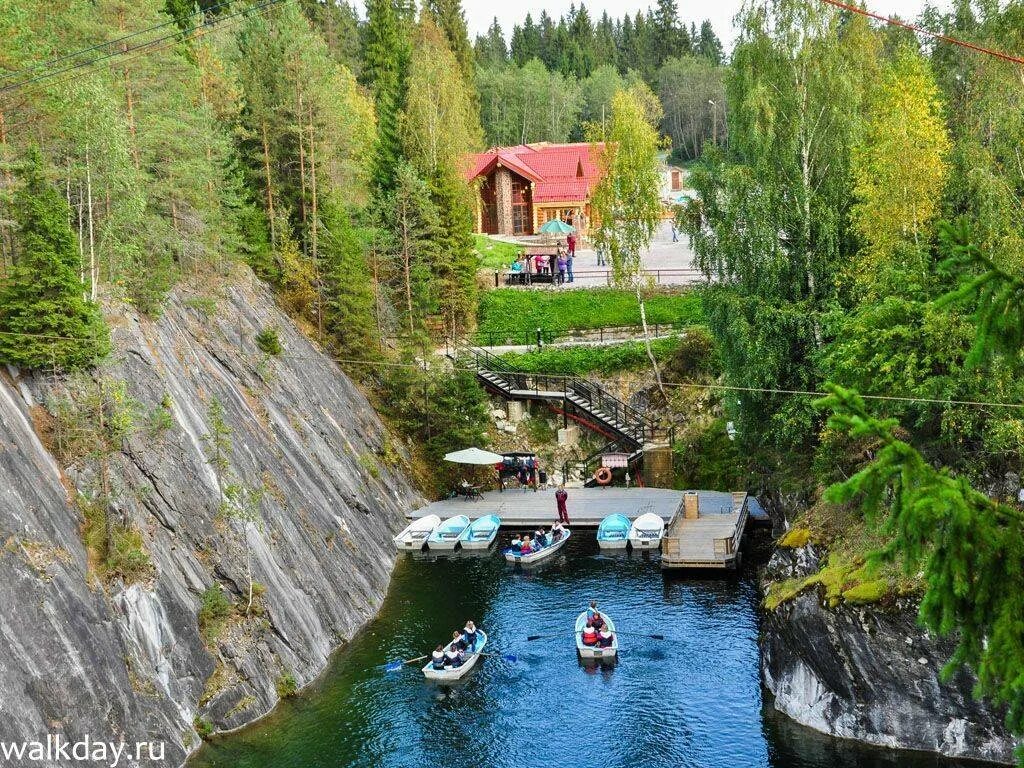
x: 488, y: 208
x: 522, y: 207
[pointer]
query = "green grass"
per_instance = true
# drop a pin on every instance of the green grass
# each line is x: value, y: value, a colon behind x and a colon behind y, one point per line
x: 581, y: 360
x: 495, y: 254
x: 508, y: 314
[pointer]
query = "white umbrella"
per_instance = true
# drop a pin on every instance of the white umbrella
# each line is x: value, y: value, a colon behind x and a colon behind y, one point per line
x: 473, y: 456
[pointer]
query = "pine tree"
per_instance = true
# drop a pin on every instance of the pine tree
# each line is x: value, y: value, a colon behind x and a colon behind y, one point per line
x: 44, y: 318
x: 348, y: 307
x: 386, y: 55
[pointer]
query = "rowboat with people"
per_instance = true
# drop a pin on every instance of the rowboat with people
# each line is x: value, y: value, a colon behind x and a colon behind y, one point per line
x: 415, y: 534
x: 450, y: 673
x: 613, y: 532
x: 513, y: 555
x: 606, y: 648
x: 647, y: 531
x: 446, y: 535
x: 481, y: 533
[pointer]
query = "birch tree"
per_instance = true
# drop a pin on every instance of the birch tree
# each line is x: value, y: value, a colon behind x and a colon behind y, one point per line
x: 626, y: 202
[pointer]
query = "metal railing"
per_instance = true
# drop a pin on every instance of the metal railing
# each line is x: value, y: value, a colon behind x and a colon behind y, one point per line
x: 657, y: 276
x: 624, y: 420
x: 541, y: 336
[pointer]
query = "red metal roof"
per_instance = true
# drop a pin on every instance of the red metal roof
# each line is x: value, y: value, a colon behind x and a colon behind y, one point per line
x: 559, y: 172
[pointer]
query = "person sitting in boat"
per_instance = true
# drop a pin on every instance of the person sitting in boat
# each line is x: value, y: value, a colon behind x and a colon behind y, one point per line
x: 591, y: 610
x: 437, y: 657
x: 454, y: 656
x: 458, y: 640
x: 517, y: 543
x: 597, y: 621
x: 469, y: 635
x: 557, y: 532
x: 540, y: 540
x: 604, y: 637
x: 527, y: 547
x: 590, y: 636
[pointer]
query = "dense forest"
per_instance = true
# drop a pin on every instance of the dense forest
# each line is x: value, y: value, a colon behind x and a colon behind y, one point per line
x: 862, y: 229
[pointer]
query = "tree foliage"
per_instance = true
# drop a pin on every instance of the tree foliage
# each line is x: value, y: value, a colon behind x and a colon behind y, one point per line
x: 45, y: 317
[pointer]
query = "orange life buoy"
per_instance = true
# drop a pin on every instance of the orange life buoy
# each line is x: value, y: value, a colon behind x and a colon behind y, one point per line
x: 603, y: 476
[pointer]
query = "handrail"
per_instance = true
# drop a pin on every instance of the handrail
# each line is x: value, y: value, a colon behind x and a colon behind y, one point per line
x: 625, y: 420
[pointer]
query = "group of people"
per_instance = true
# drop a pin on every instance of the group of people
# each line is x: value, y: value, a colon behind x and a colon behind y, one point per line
x: 596, y: 631
x: 558, y: 264
x: 453, y: 654
x: 525, y: 469
x: 526, y: 544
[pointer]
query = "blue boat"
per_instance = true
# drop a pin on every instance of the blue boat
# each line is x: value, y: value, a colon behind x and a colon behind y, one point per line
x: 481, y: 532
x: 446, y: 535
x: 613, y: 532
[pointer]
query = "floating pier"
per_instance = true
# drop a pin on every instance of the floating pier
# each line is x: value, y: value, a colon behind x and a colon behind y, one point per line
x: 704, y: 528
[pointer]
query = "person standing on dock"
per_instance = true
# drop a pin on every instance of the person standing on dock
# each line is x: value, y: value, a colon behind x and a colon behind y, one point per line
x: 561, y: 497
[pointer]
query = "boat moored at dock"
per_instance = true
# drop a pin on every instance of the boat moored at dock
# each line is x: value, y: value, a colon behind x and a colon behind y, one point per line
x: 613, y: 532
x: 446, y: 535
x: 481, y: 533
x: 415, y: 534
x: 647, y: 531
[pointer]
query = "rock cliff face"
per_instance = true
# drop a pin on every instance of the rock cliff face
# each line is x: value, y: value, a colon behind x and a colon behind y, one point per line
x: 128, y: 662
x: 871, y: 673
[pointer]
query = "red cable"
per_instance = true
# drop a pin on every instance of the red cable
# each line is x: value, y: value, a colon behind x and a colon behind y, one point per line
x: 921, y: 30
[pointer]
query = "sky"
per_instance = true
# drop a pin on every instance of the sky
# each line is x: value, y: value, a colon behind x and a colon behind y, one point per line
x: 479, y: 13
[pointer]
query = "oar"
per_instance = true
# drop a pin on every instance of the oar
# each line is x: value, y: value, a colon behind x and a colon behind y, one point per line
x: 616, y: 632
x: 397, y: 664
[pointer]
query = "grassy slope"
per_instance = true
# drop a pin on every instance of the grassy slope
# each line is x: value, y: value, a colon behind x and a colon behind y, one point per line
x: 513, y: 310
x: 581, y: 360
x: 495, y: 254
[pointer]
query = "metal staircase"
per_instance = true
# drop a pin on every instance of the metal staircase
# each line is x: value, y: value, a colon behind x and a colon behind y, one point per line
x: 627, y: 429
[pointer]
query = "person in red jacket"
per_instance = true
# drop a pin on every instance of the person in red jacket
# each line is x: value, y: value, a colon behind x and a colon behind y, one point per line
x: 561, y: 497
x: 589, y: 635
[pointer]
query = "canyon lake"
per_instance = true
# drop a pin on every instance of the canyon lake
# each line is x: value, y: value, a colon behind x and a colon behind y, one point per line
x: 693, y: 699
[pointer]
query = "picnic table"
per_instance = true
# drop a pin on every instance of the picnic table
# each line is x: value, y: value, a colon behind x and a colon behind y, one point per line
x: 468, y: 492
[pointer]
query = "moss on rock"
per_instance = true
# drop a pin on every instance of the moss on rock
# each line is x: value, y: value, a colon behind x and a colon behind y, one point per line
x: 795, y: 538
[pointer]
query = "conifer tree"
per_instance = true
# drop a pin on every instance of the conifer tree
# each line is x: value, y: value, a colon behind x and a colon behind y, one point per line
x: 385, y: 56
x: 45, y: 318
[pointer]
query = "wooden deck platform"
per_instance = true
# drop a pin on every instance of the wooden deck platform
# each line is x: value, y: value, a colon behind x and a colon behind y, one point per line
x: 587, y: 506
x: 705, y: 537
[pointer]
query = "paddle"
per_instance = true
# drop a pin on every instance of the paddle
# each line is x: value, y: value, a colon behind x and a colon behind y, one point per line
x: 616, y: 632
x: 397, y: 664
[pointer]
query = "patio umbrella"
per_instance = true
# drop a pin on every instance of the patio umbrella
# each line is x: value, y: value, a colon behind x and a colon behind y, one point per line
x: 473, y: 456
x: 557, y: 227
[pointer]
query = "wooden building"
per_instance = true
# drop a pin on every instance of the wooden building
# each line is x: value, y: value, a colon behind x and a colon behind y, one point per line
x: 520, y: 188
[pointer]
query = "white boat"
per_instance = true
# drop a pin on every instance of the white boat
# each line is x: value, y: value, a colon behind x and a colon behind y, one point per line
x: 454, y: 673
x: 415, y: 534
x: 592, y: 651
x: 613, y: 532
x: 540, y: 554
x: 481, y: 533
x: 646, y: 531
x: 446, y: 535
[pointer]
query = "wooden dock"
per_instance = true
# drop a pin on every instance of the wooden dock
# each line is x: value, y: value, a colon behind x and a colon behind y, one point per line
x: 705, y: 537
x: 704, y: 527
x: 587, y: 506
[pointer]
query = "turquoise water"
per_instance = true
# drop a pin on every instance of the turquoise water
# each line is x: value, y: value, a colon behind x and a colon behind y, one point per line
x: 692, y: 700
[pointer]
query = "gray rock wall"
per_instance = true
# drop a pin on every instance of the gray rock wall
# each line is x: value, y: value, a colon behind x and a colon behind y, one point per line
x: 871, y: 673
x: 127, y: 662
